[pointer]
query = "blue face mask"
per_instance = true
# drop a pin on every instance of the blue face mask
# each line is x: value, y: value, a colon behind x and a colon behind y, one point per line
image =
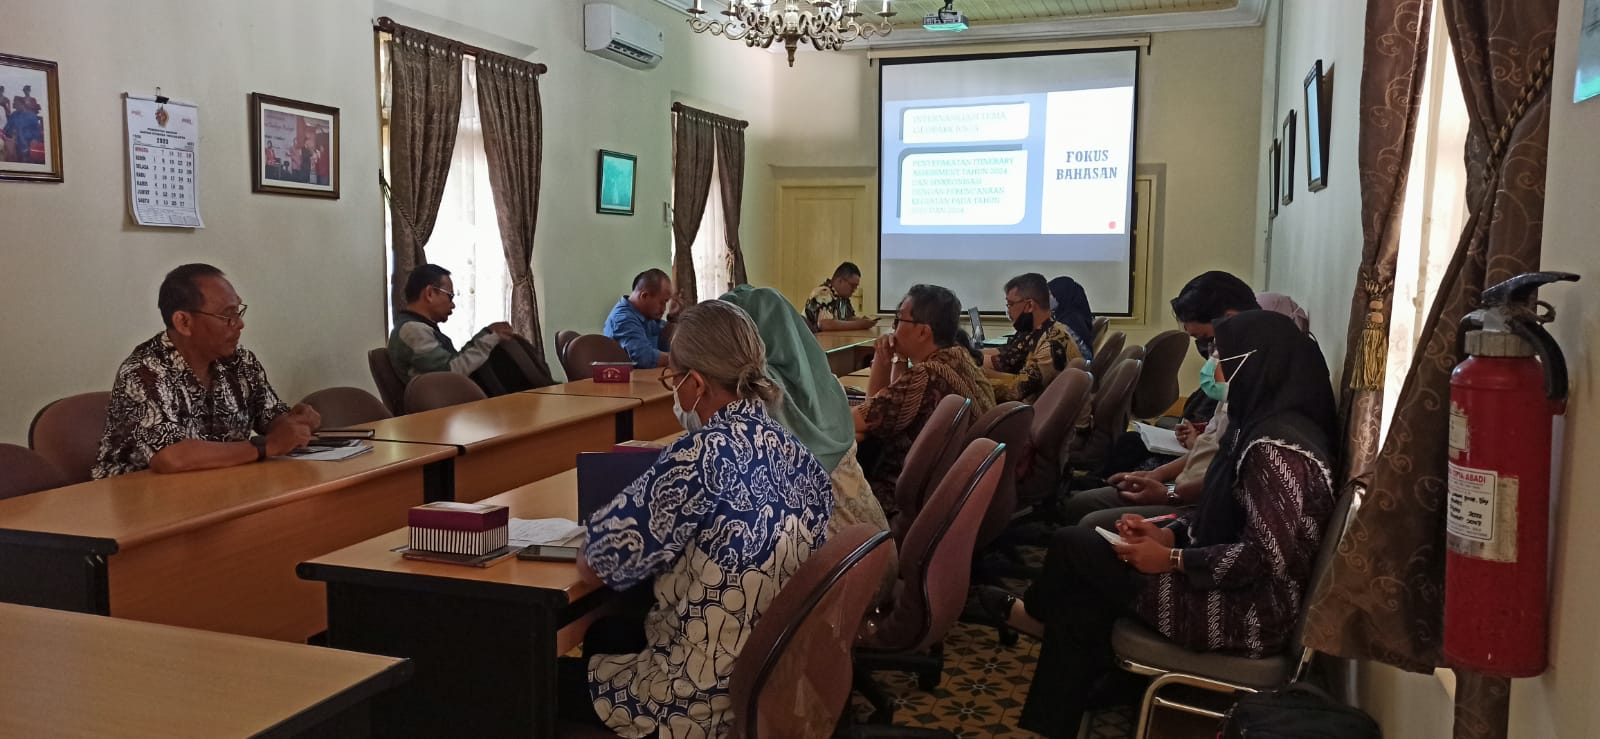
x: 1208, y: 381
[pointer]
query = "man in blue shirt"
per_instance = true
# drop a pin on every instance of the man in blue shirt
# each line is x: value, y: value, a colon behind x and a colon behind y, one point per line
x: 636, y: 321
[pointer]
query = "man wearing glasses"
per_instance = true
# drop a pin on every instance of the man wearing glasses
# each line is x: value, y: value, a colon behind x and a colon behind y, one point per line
x: 1038, y: 351
x: 191, y: 397
x: 417, y: 346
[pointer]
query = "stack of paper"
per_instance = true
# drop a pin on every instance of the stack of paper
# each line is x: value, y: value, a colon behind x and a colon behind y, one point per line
x: 1159, y: 440
x: 549, y: 531
x: 330, y: 454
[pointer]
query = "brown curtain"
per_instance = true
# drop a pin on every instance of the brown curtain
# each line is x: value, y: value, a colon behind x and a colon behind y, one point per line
x: 425, y: 108
x: 513, y: 139
x: 1383, y: 599
x: 730, y: 174
x: 693, y: 152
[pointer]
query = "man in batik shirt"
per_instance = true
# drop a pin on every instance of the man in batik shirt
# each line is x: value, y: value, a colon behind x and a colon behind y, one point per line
x: 1038, y: 351
x: 829, y: 308
x: 189, y: 398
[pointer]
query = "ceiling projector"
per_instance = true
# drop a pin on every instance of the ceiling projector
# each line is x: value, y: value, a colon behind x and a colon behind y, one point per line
x: 948, y: 19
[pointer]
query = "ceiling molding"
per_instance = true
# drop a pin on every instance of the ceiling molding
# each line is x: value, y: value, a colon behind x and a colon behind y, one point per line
x: 1247, y: 13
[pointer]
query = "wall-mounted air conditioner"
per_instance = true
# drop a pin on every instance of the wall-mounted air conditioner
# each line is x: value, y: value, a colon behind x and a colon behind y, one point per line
x: 620, y: 36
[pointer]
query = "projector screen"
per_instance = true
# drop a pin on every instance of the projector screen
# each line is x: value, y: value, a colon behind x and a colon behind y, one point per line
x: 990, y: 167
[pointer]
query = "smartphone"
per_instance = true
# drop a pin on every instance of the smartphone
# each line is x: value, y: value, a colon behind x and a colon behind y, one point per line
x: 547, y: 553
x: 325, y: 443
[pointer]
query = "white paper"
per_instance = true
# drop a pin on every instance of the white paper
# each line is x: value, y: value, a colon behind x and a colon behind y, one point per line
x: 1159, y: 440
x: 331, y: 454
x: 551, y: 531
x: 163, y: 159
x: 1113, y: 537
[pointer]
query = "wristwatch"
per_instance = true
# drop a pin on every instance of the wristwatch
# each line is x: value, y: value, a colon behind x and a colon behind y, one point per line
x: 260, y: 443
x: 1172, y: 494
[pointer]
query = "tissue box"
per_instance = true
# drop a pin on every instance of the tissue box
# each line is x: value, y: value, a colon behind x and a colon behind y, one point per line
x: 459, y: 528
x: 612, y: 371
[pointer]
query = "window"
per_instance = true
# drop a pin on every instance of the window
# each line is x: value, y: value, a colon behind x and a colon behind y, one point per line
x: 713, y: 260
x: 466, y: 235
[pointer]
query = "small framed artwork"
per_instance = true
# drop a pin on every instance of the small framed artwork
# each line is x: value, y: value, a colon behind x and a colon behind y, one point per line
x: 614, y: 189
x: 1274, y: 154
x: 30, y: 120
x: 294, y: 147
x: 1316, y: 130
x: 1287, y: 158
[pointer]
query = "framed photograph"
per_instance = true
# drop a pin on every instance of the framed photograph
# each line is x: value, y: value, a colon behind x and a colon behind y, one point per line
x: 614, y: 191
x: 1316, y: 130
x: 1287, y: 157
x: 1274, y: 154
x: 30, y: 120
x: 294, y: 147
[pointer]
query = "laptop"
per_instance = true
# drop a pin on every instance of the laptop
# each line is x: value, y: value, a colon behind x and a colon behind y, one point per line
x: 602, y: 475
x: 977, y: 325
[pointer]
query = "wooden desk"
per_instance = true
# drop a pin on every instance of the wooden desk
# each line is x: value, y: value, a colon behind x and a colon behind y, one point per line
x: 514, y: 439
x: 484, y: 640
x: 651, y: 420
x: 213, y: 550
x: 73, y: 675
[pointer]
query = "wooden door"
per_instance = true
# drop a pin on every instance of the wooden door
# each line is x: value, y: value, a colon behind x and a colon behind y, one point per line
x: 819, y: 227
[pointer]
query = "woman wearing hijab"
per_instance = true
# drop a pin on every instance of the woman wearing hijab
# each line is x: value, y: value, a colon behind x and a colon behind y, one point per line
x: 1071, y: 308
x: 1230, y: 576
x: 814, y: 408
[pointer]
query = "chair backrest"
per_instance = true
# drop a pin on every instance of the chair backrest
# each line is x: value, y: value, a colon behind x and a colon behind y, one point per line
x: 946, y: 425
x: 391, y: 386
x: 1010, y: 424
x: 24, y: 471
x: 441, y: 389
x: 1338, y: 521
x: 1078, y: 363
x: 563, y: 338
x: 1055, y: 415
x: 936, y: 554
x: 1102, y: 327
x: 1157, y: 389
x: 587, y: 349
x: 793, y: 677
x: 1106, y: 355
x: 1130, y: 352
x: 1110, y: 412
x: 67, y: 433
x: 346, y: 406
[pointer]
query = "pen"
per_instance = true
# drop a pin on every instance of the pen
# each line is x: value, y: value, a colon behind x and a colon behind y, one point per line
x: 1162, y: 519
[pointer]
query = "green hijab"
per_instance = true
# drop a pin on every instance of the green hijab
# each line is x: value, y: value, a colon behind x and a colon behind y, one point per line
x: 814, y: 408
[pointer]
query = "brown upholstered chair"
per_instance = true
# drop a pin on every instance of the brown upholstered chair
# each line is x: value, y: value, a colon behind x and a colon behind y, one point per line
x: 24, y: 471
x: 346, y: 406
x: 1110, y: 417
x: 1157, y: 389
x: 1009, y: 424
x: 1055, y: 415
x: 563, y: 338
x: 67, y: 434
x: 1078, y: 363
x: 792, y: 679
x: 440, y: 390
x: 391, y: 386
x: 587, y: 349
x: 935, y: 566
x: 1106, y: 356
x: 1102, y: 330
x: 945, y: 428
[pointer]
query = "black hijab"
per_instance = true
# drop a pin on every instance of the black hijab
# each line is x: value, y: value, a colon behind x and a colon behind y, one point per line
x: 1281, y: 392
x: 1072, y: 310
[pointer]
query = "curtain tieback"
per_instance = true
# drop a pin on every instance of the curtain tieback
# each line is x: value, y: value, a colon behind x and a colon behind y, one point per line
x: 1373, y: 365
x: 1531, y: 91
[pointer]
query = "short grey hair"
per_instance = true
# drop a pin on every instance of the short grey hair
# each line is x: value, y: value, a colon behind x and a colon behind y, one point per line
x: 718, y: 340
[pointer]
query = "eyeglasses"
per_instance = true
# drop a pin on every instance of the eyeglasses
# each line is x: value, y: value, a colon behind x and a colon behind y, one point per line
x: 1010, y: 302
x: 898, y: 320
x: 667, y: 377
x: 232, y: 320
x: 447, y: 293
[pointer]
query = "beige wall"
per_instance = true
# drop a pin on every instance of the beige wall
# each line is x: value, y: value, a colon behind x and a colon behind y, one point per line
x: 82, y: 280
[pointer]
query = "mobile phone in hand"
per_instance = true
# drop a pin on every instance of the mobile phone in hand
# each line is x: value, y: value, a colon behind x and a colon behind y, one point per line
x: 547, y: 553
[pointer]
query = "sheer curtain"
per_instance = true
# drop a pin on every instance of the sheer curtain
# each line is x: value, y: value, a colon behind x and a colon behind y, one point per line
x: 713, y: 261
x: 466, y: 238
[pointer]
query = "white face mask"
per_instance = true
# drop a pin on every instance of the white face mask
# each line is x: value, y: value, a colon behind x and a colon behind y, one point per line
x: 687, y: 417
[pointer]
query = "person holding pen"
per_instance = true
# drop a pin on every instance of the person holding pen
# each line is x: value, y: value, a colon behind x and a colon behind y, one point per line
x: 1232, y: 574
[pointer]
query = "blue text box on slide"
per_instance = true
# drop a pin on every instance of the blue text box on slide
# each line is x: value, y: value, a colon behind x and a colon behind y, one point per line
x: 965, y: 124
x: 964, y: 188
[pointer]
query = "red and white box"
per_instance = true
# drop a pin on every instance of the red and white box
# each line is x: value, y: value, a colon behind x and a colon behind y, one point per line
x: 471, y: 529
x: 612, y: 371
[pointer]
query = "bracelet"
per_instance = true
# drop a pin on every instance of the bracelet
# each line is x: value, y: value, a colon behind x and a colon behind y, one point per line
x: 1175, y: 560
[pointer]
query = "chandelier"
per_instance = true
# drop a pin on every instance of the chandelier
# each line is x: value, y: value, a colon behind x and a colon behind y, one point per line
x: 827, y: 25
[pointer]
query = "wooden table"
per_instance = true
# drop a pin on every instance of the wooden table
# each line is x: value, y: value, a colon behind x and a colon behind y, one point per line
x: 484, y: 640
x: 514, y: 439
x: 213, y: 550
x: 847, y: 351
x: 651, y: 420
x: 74, y: 675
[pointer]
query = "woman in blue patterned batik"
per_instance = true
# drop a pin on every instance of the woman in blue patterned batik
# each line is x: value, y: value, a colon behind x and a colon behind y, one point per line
x: 721, y: 521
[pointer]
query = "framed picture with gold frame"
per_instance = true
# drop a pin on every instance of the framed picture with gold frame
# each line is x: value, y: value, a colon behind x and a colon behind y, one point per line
x: 30, y: 120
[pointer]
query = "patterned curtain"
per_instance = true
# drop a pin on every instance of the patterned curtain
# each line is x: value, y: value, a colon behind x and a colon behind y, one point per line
x: 513, y: 140
x: 693, y: 152
x: 730, y: 174
x: 425, y: 108
x: 1383, y: 599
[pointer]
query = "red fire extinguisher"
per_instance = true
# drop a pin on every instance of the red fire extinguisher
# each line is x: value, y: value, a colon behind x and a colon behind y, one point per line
x: 1503, y: 398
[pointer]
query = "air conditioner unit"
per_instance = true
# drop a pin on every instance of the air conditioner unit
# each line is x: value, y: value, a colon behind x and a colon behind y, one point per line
x: 620, y: 36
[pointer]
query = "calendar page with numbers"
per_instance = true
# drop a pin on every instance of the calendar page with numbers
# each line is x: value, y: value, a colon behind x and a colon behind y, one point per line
x: 163, y: 161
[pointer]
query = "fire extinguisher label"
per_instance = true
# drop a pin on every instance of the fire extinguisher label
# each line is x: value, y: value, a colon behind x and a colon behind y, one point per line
x: 1482, y: 514
x: 1458, y: 430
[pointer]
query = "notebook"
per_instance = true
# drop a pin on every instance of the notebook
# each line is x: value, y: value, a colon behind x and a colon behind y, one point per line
x: 602, y: 475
